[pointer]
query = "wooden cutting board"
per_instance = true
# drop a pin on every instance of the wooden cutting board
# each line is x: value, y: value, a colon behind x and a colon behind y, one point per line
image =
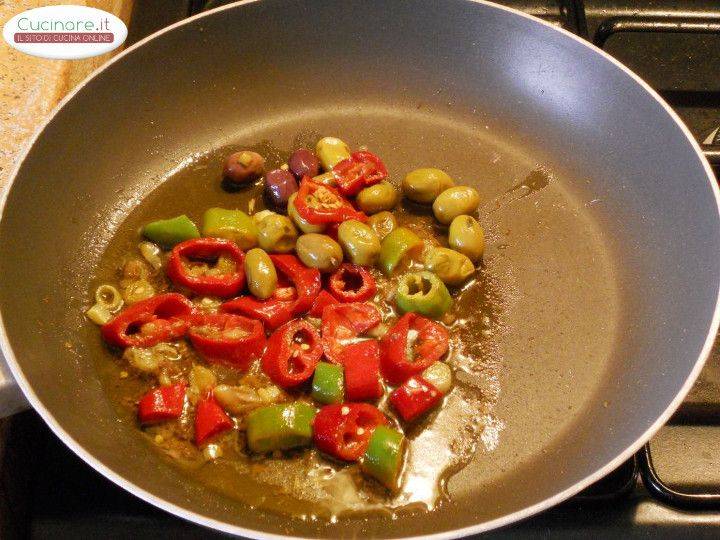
x: 30, y: 87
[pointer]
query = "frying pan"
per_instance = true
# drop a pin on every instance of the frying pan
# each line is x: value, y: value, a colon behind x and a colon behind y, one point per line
x: 608, y: 275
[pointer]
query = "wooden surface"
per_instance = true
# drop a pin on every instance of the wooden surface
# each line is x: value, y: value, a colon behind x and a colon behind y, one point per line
x: 30, y: 87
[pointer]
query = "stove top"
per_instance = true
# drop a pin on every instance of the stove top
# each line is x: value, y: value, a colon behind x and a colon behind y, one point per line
x: 670, y: 489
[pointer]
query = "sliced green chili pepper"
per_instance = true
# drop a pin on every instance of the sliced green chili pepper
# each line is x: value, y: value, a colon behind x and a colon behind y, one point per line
x: 400, y: 243
x: 233, y: 225
x: 328, y: 383
x: 424, y: 293
x: 278, y: 427
x: 168, y: 232
x: 383, y: 458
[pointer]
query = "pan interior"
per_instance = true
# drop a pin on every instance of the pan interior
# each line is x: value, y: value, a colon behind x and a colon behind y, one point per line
x: 606, y: 278
x: 531, y: 354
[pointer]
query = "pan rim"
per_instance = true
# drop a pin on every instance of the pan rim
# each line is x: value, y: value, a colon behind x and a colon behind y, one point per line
x: 195, y: 517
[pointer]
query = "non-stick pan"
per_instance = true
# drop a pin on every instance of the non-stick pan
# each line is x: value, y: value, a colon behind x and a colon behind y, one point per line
x: 602, y: 220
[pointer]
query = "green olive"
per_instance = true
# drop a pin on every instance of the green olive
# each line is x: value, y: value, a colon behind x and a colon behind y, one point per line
x: 359, y: 242
x: 424, y: 185
x: 455, y: 201
x: 319, y: 251
x: 374, y: 199
x: 300, y: 221
x: 467, y: 236
x: 331, y: 151
x: 262, y: 214
x: 260, y: 273
x: 276, y: 234
x: 383, y: 223
x: 450, y: 266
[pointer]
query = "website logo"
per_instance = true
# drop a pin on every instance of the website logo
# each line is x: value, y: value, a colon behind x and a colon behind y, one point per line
x: 65, y: 32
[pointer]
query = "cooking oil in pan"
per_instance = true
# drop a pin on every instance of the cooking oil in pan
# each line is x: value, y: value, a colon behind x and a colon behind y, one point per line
x: 466, y: 425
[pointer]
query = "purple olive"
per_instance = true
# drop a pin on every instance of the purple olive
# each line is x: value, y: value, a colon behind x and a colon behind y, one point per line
x: 242, y: 167
x: 279, y: 185
x: 303, y: 162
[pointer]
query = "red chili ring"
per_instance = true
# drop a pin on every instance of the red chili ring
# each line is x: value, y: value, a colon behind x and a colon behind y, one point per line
x: 352, y: 283
x: 207, y: 250
x: 221, y: 346
x: 292, y: 353
x: 343, y: 430
x: 149, y: 322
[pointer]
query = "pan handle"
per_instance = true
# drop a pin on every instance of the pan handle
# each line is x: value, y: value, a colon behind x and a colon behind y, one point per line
x: 672, y: 497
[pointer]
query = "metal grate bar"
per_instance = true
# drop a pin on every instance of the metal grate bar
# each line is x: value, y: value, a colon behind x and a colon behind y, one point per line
x: 661, y: 491
x: 573, y: 13
x: 675, y: 25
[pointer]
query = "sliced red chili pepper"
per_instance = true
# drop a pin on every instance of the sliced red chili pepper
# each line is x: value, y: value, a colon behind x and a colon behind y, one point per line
x: 306, y: 281
x: 323, y: 299
x: 210, y: 419
x: 284, y: 305
x: 414, y: 398
x: 352, y: 283
x: 292, y: 353
x: 361, y: 361
x: 284, y: 293
x: 343, y: 430
x: 190, y: 266
x: 344, y: 322
x: 273, y: 313
x: 149, y: 322
x: 223, y: 338
x: 360, y: 170
x: 404, y: 354
x: 285, y: 289
x: 318, y: 203
x: 162, y: 403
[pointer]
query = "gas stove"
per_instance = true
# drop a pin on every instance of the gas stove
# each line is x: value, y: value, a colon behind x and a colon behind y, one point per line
x: 671, y: 488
